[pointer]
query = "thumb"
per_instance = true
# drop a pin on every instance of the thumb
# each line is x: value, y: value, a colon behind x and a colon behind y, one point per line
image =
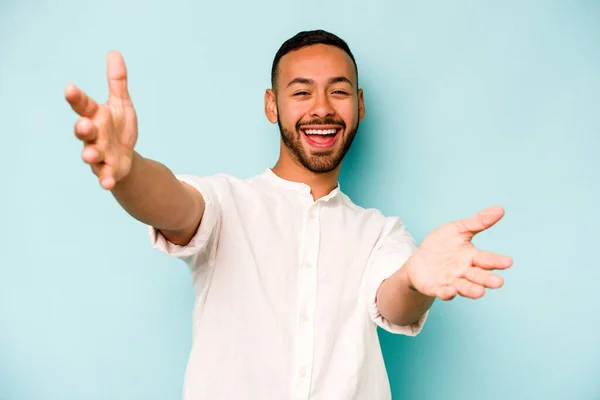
x: 116, y: 73
x: 482, y: 220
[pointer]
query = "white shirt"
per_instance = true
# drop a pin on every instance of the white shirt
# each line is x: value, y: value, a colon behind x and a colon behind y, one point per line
x: 286, y: 292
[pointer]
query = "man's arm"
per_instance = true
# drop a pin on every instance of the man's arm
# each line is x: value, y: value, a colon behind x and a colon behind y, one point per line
x: 152, y: 194
x: 445, y: 265
x: 399, y: 302
x: 146, y: 189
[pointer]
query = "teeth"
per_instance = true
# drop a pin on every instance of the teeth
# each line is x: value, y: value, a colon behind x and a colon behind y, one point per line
x: 320, y: 131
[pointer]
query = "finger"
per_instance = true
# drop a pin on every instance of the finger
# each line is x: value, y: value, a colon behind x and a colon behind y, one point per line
x: 86, y: 130
x: 484, y: 278
x: 482, y: 220
x: 116, y: 73
x: 107, y: 181
x: 447, y: 293
x: 80, y: 102
x: 488, y: 260
x: 96, y: 168
x: 92, y: 155
x: 469, y: 289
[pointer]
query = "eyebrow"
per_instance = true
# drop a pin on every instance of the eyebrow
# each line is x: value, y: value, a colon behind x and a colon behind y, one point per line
x: 306, y: 81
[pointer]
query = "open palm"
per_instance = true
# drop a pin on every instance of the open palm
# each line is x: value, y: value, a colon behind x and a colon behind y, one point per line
x: 109, y: 131
x: 447, y: 263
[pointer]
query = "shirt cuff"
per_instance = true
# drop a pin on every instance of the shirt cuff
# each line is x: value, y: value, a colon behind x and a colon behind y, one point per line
x: 205, y: 231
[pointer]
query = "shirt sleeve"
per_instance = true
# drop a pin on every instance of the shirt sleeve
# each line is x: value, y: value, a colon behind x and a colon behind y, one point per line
x: 394, y: 248
x: 203, y: 243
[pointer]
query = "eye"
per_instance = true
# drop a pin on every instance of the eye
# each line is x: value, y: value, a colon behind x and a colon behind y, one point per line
x: 301, y: 93
x: 340, y: 92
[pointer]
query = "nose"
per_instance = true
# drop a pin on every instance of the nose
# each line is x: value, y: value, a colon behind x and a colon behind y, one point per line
x: 321, y: 107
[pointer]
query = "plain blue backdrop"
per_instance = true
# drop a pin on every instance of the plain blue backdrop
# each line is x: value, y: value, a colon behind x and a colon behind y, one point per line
x: 469, y: 104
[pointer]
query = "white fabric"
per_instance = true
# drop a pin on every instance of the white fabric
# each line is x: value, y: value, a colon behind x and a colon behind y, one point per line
x: 286, y: 289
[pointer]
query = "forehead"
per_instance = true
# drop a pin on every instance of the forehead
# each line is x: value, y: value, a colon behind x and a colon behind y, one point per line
x: 317, y: 62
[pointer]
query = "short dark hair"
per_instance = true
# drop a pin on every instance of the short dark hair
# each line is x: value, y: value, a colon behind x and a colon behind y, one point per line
x: 305, y: 39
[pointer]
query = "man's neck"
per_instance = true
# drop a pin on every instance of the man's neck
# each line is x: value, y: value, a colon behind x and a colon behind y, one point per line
x: 320, y: 184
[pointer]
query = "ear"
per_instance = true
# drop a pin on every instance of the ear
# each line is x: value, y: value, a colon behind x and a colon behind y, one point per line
x: 361, y: 105
x: 271, y: 106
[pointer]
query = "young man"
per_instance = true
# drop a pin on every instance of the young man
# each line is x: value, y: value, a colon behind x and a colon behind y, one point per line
x: 292, y: 278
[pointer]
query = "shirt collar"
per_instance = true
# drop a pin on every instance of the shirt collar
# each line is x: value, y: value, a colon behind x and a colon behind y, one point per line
x: 298, y: 186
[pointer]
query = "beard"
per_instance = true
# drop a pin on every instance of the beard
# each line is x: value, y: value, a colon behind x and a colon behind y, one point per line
x: 323, y: 161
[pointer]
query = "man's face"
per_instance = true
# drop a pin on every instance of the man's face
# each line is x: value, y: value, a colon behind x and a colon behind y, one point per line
x: 318, y: 105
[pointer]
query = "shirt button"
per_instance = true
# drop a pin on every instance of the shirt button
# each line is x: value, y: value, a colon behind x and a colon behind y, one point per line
x: 304, y: 317
x: 307, y: 264
x: 302, y: 372
x: 311, y: 215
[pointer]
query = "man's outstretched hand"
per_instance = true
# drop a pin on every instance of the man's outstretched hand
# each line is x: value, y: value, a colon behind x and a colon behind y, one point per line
x: 108, y: 131
x: 447, y: 263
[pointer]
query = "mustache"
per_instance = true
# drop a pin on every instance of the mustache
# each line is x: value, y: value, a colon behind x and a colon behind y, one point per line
x: 325, y: 121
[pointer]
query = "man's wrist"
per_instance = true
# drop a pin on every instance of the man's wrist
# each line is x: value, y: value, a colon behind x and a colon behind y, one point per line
x: 406, y: 276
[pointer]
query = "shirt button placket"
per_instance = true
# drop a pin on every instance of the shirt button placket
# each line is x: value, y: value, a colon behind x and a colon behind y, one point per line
x: 307, y: 296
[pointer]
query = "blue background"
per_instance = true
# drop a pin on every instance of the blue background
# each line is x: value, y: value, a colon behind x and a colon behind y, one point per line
x: 469, y: 104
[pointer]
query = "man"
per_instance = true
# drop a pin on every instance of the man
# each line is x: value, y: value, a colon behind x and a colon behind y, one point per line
x: 292, y: 279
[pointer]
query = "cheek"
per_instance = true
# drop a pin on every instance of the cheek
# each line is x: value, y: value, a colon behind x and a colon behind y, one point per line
x: 348, y: 112
x: 291, y: 113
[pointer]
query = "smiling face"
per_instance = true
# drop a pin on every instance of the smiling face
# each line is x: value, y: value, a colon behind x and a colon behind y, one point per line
x: 317, y: 106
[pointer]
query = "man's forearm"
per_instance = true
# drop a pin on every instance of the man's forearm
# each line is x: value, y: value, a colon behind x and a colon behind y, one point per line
x: 398, y: 301
x: 153, y: 195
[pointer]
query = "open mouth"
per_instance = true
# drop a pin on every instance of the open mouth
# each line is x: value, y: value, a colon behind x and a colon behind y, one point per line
x: 321, y: 137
